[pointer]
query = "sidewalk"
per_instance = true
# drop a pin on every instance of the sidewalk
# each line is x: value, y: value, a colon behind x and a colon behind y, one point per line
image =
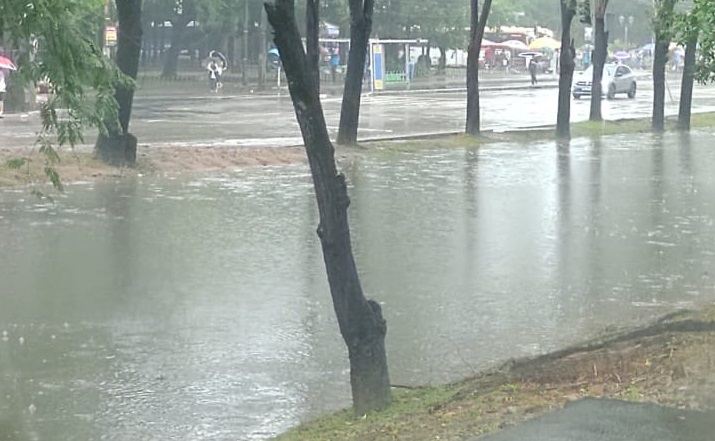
x: 593, y: 419
x: 487, y: 82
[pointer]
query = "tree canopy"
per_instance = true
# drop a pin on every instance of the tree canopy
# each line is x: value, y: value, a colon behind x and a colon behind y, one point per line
x: 49, y: 42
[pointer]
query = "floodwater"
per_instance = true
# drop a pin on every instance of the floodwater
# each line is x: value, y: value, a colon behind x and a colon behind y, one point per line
x: 197, y: 307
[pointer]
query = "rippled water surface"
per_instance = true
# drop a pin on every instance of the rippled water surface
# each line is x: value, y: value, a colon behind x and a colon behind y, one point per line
x: 197, y: 307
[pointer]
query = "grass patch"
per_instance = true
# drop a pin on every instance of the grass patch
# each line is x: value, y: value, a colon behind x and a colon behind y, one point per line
x: 668, y: 362
x: 582, y: 129
x: 73, y: 166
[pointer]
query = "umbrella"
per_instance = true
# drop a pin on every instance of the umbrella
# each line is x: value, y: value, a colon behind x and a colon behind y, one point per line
x: 5, y: 63
x: 516, y: 44
x: 221, y: 57
x: 648, y: 47
x: 274, y: 58
x: 531, y: 54
x: 544, y: 42
x: 486, y: 43
x: 621, y: 55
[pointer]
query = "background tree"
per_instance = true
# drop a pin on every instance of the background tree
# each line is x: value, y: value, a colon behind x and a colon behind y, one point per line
x: 600, y: 52
x: 663, y: 27
x: 478, y: 23
x: 687, y: 31
x: 83, y: 79
x: 360, y: 320
x: 179, y: 13
x: 443, y: 26
x: 117, y: 146
x: 360, y: 28
x: 312, y: 39
x: 704, y: 12
x: 566, y: 68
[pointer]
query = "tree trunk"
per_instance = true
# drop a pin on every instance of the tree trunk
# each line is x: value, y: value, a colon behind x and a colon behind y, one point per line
x: 360, y: 28
x: 360, y: 320
x: 686, y: 87
x: 598, y: 61
x: 171, y: 60
x: 662, y: 23
x: 442, y: 66
x: 312, y: 33
x: 263, y: 53
x: 660, y: 58
x: 477, y: 23
x: 566, y: 68
x: 119, y: 147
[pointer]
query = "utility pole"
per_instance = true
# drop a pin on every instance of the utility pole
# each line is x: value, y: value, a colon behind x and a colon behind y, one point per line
x: 244, y: 78
x: 262, y: 54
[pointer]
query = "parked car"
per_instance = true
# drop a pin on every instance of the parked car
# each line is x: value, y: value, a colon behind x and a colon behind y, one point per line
x: 617, y: 78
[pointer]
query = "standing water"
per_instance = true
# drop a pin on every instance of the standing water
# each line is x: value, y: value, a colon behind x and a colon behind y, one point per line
x: 197, y: 308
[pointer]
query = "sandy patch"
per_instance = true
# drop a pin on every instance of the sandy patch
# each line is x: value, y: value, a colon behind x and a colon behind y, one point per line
x: 80, y: 165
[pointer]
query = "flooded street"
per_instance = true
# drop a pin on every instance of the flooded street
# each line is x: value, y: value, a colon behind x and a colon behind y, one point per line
x: 197, y: 307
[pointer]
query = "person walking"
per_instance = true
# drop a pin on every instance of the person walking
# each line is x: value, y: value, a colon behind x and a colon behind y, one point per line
x: 532, y: 71
x: 334, y: 63
x: 214, y: 75
x: 3, y: 89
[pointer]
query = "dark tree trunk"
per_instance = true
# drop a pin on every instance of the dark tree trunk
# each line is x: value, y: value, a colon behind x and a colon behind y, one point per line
x: 598, y: 60
x: 171, y: 59
x: 566, y: 68
x: 442, y: 66
x: 662, y: 23
x: 360, y: 28
x: 263, y: 53
x: 478, y: 23
x: 360, y: 320
x: 686, y: 88
x: 312, y: 33
x: 660, y: 58
x: 119, y: 147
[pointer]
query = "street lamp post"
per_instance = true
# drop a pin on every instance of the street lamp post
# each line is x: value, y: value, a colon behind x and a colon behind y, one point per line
x: 244, y: 79
x: 625, y: 22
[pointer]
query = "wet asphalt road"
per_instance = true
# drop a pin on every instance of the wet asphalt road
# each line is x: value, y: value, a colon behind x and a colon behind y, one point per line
x: 612, y: 420
x: 191, y: 117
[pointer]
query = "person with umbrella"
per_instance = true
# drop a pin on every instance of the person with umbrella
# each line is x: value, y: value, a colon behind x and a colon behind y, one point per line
x: 532, y: 70
x: 5, y: 63
x: 216, y: 66
x: 3, y: 88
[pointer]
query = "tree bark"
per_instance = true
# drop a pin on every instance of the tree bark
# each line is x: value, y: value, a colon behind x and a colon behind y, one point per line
x: 360, y: 320
x: 686, y: 86
x: 660, y: 58
x: 119, y: 147
x: 442, y: 66
x: 312, y: 33
x: 171, y: 60
x: 662, y: 24
x: 598, y: 60
x: 263, y: 53
x: 478, y: 23
x: 566, y: 68
x: 360, y: 28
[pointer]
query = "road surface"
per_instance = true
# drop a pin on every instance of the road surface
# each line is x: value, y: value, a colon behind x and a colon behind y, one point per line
x: 187, y: 118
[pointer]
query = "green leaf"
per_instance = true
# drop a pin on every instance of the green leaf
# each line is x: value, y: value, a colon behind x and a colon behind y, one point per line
x: 54, y: 177
x: 16, y: 163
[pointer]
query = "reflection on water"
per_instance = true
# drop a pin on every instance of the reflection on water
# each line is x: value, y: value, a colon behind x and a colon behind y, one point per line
x: 197, y: 308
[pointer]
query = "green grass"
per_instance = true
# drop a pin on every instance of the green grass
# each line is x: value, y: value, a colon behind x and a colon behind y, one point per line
x: 583, y: 129
x: 406, y: 405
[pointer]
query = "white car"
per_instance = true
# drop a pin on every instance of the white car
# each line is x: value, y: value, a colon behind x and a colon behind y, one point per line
x: 617, y: 78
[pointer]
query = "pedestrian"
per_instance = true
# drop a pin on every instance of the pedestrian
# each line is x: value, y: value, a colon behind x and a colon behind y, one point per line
x: 214, y: 75
x: 334, y: 63
x: 3, y: 89
x: 532, y: 71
